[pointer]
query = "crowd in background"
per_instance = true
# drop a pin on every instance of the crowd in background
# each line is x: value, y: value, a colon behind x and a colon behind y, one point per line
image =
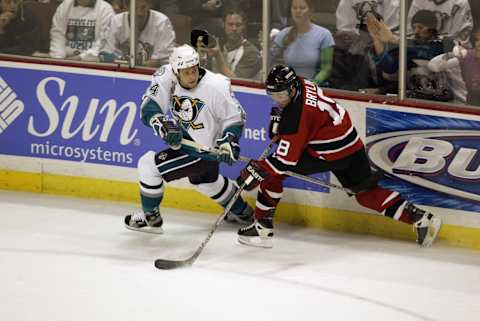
x: 342, y: 44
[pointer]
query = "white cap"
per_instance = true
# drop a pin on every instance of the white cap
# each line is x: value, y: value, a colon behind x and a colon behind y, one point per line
x: 183, y: 57
x: 459, y: 52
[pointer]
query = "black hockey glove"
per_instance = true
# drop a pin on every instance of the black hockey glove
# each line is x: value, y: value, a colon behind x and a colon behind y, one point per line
x: 229, y: 148
x: 167, y: 129
x: 253, y: 174
x: 275, y: 117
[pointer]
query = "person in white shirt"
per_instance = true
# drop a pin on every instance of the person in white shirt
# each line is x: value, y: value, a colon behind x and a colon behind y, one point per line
x: 77, y: 27
x: 455, y: 18
x: 155, y: 36
x: 352, y: 14
x: 455, y: 22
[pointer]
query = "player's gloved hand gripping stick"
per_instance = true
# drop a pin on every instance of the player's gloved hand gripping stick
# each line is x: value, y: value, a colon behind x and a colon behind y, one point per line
x: 167, y: 129
x: 165, y: 264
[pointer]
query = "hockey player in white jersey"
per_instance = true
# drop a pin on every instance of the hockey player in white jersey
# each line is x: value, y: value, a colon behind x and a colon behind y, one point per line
x: 206, y: 111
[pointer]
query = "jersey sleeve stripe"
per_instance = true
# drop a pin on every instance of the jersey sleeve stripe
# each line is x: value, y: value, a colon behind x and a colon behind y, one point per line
x: 337, y: 145
x: 341, y: 148
x: 276, y: 166
x: 324, y: 141
x: 284, y: 161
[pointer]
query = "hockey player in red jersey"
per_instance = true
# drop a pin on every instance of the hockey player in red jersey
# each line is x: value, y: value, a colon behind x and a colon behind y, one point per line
x: 315, y: 134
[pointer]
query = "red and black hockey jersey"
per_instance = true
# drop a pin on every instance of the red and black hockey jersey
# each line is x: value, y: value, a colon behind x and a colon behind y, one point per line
x: 315, y: 124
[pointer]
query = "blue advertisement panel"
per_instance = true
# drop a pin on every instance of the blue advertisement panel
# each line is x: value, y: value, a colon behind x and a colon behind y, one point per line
x: 95, y: 119
x: 431, y: 160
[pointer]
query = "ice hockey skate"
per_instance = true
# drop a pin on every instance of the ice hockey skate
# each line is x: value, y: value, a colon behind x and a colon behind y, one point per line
x: 426, y: 225
x: 259, y: 234
x: 150, y: 222
x: 244, y: 217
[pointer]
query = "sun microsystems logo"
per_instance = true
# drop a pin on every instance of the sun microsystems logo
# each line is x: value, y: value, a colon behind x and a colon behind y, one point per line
x: 10, y: 106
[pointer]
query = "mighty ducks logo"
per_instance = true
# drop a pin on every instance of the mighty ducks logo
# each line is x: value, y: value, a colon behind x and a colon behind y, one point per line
x: 186, y: 110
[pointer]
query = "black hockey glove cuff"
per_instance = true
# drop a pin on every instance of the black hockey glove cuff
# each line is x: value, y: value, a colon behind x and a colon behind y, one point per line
x: 275, y: 118
x: 252, y: 175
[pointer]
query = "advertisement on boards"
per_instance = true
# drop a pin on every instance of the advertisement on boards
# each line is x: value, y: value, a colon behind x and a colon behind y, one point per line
x: 431, y: 160
x: 95, y: 118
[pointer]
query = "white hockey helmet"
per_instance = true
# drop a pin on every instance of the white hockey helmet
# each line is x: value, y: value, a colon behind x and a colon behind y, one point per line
x: 183, y: 57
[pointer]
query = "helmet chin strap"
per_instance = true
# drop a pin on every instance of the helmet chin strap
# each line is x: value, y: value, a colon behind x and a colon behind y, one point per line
x: 292, y: 91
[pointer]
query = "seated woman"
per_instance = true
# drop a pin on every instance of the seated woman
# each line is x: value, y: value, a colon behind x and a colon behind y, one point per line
x: 305, y: 46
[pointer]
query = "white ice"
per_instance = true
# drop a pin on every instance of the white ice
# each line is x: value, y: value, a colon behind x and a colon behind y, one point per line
x: 67, y: 259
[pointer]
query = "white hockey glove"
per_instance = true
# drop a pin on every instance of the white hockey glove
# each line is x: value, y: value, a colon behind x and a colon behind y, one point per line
x: 229, y: 147
x: 459, y: 52
x: 167, y: 129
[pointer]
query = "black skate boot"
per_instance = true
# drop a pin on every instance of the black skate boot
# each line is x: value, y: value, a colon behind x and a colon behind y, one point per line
x: 150, y: 222
x: 244, y: 217
x: 426, y: 225
x: 259, y: 233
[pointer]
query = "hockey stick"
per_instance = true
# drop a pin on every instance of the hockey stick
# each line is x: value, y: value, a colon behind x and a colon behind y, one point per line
x: 166, y: 264
x: 313, y: 180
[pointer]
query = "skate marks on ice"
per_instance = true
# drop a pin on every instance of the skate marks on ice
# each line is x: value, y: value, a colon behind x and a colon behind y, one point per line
x: 339, y: 276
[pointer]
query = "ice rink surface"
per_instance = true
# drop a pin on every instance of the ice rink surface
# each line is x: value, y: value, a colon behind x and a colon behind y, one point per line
x: 67, y: 259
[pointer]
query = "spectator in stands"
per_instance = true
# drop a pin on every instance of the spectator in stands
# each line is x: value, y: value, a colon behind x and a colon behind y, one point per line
x: 119, y: 6
x: 352, y: 14
x: 455, y: 18
x: 425, y: 44
x: 235, y: 56
x: 168, y: 7
x: 206, y: 14
x: 77, y: 27
x: 305, y: 46
x: 18, y: 29
x: 254, y: 10
x: 469, y: 62
x: 456, y: 22
x: 353, y: 65
x: 155, y: 36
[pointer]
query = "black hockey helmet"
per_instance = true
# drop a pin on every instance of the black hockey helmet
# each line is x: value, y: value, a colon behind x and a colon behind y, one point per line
x: 281, y: 78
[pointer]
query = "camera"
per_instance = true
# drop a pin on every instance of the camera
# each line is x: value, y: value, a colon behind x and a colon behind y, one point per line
x: 203, y: 36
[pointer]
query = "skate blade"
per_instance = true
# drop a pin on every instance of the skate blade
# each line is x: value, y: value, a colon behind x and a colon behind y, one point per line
x: 146, y: 229
x: 256, y: 242
x: 432, y: 233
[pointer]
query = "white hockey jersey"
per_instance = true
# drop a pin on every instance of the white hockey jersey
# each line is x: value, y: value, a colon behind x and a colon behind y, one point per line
x: 455, y: 17
x: 77, y: 30
x: 156, y: 40
x: 205, y: 111
x: 350, y: 13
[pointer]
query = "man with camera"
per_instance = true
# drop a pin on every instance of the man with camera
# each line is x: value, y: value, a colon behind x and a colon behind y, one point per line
x: 234, y: 56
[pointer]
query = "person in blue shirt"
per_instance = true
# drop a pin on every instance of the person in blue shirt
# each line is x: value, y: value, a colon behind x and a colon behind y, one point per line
x: 305, y: 46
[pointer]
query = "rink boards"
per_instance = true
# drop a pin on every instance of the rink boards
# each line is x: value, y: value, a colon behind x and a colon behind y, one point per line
x: 77, y: 132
